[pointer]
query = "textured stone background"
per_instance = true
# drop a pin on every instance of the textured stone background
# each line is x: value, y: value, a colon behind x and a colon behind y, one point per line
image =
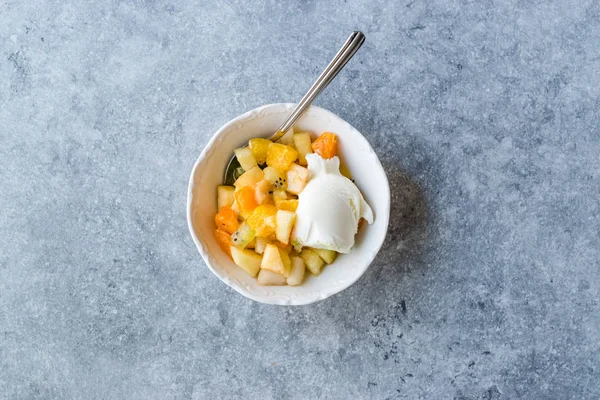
x: 485, y: 115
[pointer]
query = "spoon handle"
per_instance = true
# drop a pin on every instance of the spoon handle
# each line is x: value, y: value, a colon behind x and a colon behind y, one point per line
x: 349, y: 48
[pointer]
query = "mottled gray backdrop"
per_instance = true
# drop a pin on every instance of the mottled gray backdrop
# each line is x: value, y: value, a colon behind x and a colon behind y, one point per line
x: 485, y: 114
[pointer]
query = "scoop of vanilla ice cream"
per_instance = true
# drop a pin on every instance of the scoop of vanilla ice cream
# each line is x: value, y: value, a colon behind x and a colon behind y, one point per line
x: 329, y: 208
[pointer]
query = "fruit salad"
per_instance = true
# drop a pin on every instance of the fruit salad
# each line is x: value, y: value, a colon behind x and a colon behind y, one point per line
x: 289, y: 209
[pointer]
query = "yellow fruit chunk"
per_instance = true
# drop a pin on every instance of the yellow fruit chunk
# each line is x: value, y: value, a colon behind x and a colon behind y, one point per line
x: 288, y: 137
x: 259, y: 148
x: 297, y: 273
x: 297, y: 177
x: 263, y: 220
x: 287, y: 205
x: 249, y: 178
x: 266, y: 277
x: 280, y: 156
x: 247, y: 260
x: 279, y: 194
x: 327, y: 255
x: 245, y: 158
x: 287, y: 262
x: 276, y: 260
x: 313, y: 262
x: 262, y: 192
x: 225, y: 196
x: 303, y: 145
x: 261, y: 243
x: 285, y: 223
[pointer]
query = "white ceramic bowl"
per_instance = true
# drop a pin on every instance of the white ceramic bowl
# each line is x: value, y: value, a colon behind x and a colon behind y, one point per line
x: 363, y: 164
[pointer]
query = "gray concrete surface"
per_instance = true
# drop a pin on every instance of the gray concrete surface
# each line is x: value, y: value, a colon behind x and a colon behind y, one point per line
x: 486, y: 116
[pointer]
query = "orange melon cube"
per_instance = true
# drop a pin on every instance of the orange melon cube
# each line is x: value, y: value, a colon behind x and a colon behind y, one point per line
x: 263, y: 220
x: 325, y: 145
x: 224, y: 241
x: 245, y: 200
x: 226, y: 219
x: 280, y: 156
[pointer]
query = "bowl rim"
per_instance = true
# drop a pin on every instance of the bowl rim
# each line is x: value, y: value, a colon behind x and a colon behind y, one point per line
x: 209, y: 260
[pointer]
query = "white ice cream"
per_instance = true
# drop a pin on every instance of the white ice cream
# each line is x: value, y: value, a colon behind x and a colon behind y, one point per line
x: 329, y: 208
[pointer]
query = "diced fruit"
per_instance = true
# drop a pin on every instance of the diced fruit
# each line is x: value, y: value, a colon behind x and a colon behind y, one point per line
x: 325, y: 145
x: 303, y: 146
x: 271, y: 224
x: 224, y: 241
x: 256, y: 215
x: 226, y: 219
x: 297, y: 177
x: 266, y: 277
x: 245, y: 200
x: 243, y: 236
x: 247, y: 260
x: 313, y: 262
x: 279, y: 194
x: 287, y: 263
x: 262, y: 192
x: 262, y: 220
x: 297, y: 273
x: 327, y: 255
x: 276, y: 178
x: 245, y: 158
x: 288, y: 138
x: 225, y: 196
x: 280, y: 156
x: 249, y: 178
x: 261, y: 243
x: 276, y: 260
x: 259, y: 148
x: 285, y: 223
x: 288, y: 205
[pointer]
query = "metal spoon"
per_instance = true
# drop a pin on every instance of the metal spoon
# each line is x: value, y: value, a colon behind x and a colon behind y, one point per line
x: 349, y: 48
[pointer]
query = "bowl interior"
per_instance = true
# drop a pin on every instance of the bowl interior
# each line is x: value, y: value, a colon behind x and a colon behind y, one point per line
x: 355, y: 152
